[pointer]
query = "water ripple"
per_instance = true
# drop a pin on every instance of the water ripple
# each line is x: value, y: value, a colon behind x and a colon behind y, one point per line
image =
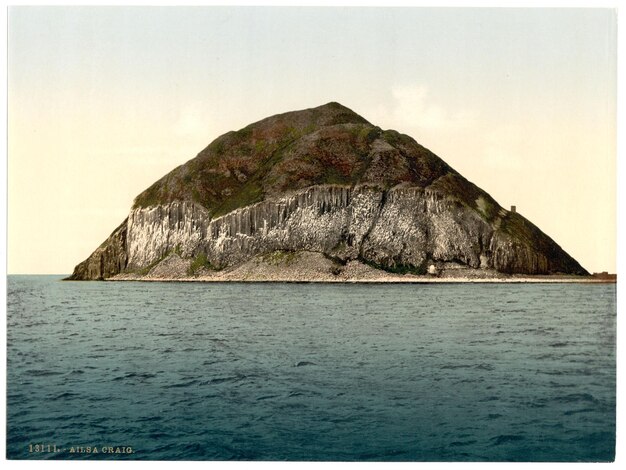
x: 313, y: 372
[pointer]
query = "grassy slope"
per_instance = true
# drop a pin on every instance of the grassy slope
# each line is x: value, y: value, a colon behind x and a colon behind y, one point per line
x: 325, y: 145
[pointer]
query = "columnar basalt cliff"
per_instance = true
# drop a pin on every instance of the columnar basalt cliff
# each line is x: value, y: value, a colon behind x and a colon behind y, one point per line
x: 323, y: 180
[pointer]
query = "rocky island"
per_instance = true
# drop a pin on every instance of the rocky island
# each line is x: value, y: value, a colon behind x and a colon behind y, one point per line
x: 321, y: 195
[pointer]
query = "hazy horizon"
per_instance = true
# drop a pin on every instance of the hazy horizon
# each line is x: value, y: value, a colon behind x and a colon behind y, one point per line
x: 103, y: 101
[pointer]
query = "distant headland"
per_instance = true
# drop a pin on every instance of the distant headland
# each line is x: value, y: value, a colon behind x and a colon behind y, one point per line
x: 323, y: 195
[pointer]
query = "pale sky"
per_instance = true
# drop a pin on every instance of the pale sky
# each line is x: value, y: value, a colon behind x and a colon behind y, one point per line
x: 103, y: 101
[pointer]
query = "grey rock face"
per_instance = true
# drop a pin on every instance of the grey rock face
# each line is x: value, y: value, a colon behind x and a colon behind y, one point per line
x: 402, y: 228
x: 155, y: 231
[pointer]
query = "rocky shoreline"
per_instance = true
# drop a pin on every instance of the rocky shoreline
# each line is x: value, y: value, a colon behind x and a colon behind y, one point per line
x: 313, y: 267
x: 405, y: 280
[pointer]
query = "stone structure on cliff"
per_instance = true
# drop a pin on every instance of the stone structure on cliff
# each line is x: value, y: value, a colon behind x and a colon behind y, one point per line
x: 323, y: 180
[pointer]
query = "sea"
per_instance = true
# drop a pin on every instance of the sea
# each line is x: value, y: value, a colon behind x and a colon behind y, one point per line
x: 310, y: 372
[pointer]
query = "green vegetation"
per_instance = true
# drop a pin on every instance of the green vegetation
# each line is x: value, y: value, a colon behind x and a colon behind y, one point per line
x: 150, y: 197
x: 280, y: 257
x: 260, y: 146
x: 199, y: 262
x: 245, y: 133
x: 364, y: 132
x: 195, y: 194
x: 391, y: 137
x: 217, y: 146
x: 250, y: 193
x: 468, y: 194
x: 333, y: 176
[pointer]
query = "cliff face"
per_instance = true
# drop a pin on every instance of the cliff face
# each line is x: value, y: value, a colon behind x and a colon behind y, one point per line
x: 109, y: 259
x: 323, y: 180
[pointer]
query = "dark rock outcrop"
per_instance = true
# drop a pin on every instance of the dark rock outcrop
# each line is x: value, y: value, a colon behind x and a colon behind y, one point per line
x: 323, y: 180
x: 109, y: 259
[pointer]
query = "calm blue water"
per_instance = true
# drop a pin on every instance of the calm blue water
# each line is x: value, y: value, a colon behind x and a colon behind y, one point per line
x: 311, y: 372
